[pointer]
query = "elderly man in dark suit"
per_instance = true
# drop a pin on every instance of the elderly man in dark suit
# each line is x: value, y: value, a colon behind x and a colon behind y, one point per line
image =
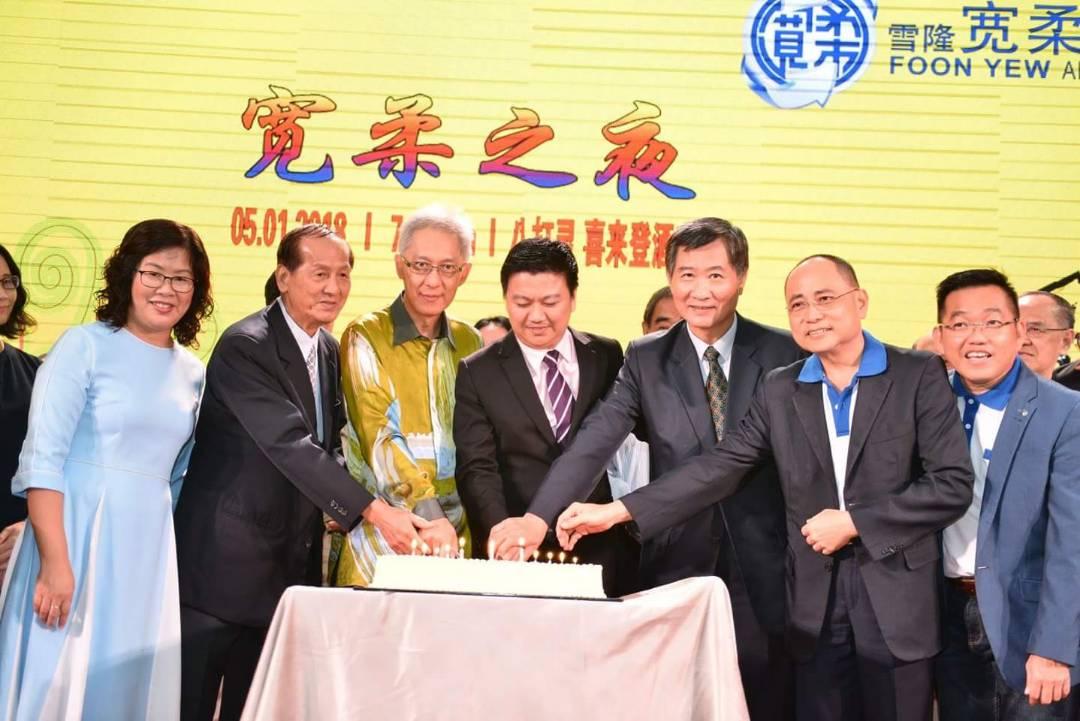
x: 873, y: 463
x: 665, y: 391
x: 521, y: 400
x: 263, y: 471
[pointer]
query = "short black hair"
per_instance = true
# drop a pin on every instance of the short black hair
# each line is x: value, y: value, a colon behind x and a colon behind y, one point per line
x: 541, y: 255
x: 845, y: 268
x: 1063, y: 309
x: 500, y: 320
x: 654, y: 300
x: 976, y: 278
x: 705, y: 231
x: 288, y: 252
x: 19, y: 322
x: 270, y: 290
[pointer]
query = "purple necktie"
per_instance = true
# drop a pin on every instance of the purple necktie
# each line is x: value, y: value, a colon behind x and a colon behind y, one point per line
x: 562, y: 400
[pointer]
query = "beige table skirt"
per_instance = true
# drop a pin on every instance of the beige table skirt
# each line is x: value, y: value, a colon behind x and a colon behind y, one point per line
x: 667, y: 654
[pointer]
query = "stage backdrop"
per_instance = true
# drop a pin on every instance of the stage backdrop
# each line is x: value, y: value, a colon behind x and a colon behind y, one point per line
x: 913, y: 138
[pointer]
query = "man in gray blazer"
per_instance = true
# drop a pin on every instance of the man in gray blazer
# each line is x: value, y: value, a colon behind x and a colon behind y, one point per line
x: 873, y: 464
x: 1012, y: 567
x: 663, y: 392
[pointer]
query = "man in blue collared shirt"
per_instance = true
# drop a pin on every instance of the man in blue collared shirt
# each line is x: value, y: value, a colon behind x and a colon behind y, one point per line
x: 873, y: 464
x: 1012, y: 571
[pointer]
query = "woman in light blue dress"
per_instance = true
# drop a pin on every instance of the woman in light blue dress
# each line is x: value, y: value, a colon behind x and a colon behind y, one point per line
x: 90, y: 612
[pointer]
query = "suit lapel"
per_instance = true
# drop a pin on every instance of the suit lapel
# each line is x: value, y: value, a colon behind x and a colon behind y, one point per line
x: 872, y: 391
x: 811, y: 412
x: 683, y: 367
x: 293, y: 364
x: 328, y: 380
x: 521, y: 382
x: 1021, y: 407
x: 745, y: 372
x: 588, y: 374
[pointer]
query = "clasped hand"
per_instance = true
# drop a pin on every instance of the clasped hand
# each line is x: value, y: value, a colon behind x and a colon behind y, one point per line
x: 829, y: 531
x: 399, y: 527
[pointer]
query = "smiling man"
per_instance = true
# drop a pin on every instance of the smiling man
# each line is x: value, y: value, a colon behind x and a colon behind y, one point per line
x: 680, y: 390
x: 1012, y: 571
x: 1048, y: 323
x: 872, y: 464
x: 263, y: 472
x: 398, y: 369
x: 521, y: 400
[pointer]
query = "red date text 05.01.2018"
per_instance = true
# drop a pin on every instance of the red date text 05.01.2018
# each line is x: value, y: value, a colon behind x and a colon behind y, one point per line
x: 252, y: 227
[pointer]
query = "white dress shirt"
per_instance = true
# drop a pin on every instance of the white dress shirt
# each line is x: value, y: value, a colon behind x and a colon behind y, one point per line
x: 568, y: 366
x: 958, y: 540
x: 723, y: 346
x: 838, y: 444
x: 306, y: 343
x: 628, y: 469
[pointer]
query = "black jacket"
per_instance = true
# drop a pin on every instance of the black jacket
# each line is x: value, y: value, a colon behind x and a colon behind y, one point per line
x: 249, y: 518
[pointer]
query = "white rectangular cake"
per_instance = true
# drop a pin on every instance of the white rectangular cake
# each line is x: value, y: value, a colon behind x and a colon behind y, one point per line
x: 510, y: 578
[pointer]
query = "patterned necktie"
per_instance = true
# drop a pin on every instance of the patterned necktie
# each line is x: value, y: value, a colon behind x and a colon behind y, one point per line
x: 716, y: 390
x: 312, y: 371
x: 562, y: 400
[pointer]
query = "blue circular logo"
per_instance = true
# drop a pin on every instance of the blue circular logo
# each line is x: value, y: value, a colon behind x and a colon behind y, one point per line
x: 800, y: 52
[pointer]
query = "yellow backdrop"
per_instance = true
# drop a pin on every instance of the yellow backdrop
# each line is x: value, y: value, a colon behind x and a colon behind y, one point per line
x: 946, y: 148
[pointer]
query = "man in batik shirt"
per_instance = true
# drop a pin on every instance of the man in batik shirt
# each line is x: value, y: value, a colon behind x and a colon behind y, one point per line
x: 399, y: 366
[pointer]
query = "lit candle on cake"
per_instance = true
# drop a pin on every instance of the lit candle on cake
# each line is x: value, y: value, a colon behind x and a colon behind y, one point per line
x: 491, y: 550
x: 550, y: 555
x: 521, y: 548
x: 562, y: 556
x: 446, y: 550
x: 425, y: 549
x: 461, y: 547
x: 536, y: 555
x: 573, y: 560
x: 415, y: 544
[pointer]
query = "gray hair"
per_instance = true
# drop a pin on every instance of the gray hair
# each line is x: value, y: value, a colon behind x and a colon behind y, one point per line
x: 1064, y: 311
x: 441, y: 217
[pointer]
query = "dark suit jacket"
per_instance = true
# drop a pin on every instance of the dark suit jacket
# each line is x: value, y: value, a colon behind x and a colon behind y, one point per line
x: 249, y: 519
x: 1028, y: 567
x: 505, y: 444
x: 659, y: 392
x: 908, y: 476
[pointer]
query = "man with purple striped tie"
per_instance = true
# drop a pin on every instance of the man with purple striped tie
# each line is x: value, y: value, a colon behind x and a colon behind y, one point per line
x: 520, y: 402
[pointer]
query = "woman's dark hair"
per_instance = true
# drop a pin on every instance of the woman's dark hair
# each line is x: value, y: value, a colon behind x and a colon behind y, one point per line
x: 20, y: 321
x: 500, y: 320
x: 141, y: 240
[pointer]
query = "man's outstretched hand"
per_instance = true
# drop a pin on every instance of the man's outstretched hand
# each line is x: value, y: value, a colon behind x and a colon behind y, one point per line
x: 583, y: 519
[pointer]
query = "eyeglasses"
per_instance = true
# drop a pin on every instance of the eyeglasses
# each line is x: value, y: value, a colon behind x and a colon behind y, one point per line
x: 822, y: 301
x: 423, y: 268
x: 9, y: 282
x: 179, y: 283
x: 963, y: 327
x: 1037, y: 331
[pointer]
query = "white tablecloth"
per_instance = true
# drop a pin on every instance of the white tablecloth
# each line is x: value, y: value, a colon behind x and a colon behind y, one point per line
x: 663, y: 655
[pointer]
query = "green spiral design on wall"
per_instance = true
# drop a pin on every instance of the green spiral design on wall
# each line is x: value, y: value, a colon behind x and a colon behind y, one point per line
x: 59, y: 258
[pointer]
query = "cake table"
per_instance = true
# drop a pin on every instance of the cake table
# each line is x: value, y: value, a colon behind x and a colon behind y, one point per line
x: 667, y: 653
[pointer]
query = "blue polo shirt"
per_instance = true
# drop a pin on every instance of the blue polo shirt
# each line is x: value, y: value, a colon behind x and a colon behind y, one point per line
x: 839, y: 404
